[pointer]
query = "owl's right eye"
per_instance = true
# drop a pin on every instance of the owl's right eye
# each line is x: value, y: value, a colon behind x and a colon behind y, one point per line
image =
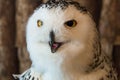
x: 39, y: 23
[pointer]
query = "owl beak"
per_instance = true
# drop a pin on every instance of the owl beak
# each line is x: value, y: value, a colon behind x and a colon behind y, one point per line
x: 54, y: 45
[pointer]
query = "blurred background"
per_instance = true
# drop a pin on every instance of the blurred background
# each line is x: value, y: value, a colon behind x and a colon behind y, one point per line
x: 14, y: 14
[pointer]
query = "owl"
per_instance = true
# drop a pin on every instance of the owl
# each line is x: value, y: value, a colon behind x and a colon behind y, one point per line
x: 64, y: 44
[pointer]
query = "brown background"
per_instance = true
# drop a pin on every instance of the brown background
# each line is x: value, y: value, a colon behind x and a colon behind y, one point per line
x: 13, y: 17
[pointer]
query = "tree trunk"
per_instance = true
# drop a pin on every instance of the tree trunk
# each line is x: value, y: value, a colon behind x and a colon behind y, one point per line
x: 24, y: 8
x: 108, y: 26
x: 8, y: 52
x: 116, y: 57
x: 116, y: 51
x: 8, y: 62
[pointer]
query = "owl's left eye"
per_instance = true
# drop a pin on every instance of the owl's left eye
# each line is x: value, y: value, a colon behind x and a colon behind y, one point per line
x: 70, y: 23
x: 39, y: 23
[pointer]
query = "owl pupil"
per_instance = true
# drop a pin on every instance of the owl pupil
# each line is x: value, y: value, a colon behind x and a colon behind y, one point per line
x: 70, y: 23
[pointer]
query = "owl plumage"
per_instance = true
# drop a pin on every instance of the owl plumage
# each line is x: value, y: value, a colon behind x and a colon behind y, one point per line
x: 64, y: 44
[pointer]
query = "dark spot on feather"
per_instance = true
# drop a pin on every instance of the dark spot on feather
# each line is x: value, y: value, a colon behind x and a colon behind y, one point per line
x: 33, y: 78
x: 25, y: 78
x: 23, y: 75
x: 29, y: 77
x: 102, y: 67
x: 101, y: 79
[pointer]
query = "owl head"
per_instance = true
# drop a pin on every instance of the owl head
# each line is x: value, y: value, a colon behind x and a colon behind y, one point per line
x: 58, y: 26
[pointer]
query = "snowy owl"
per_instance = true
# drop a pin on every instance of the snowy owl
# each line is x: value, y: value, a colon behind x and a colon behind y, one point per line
x: 64, y: 44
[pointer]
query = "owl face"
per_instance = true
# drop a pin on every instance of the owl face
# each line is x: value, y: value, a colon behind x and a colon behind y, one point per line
x: 60, y: 25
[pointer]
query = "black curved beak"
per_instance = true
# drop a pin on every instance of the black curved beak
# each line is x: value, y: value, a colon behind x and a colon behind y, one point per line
x: 53, y: 45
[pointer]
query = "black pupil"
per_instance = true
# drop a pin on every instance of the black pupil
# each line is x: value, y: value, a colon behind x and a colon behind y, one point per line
x: 70, y: 23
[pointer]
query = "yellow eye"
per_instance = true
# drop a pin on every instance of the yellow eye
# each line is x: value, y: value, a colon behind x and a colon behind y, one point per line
x: 71, y: 23
x: 39, y: 23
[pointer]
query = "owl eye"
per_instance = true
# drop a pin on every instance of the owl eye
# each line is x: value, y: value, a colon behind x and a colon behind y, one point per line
x: 39, y: 23
x: 71, y: 23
